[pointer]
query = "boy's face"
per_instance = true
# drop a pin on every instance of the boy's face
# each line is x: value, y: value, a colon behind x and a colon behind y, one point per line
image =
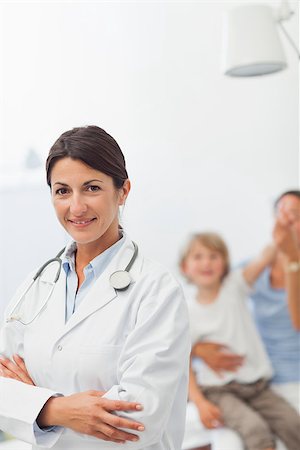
x: 204, y: 267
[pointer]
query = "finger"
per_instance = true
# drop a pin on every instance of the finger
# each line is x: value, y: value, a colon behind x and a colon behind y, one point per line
x: 223, y: 347
x: 119, y: 405
x: 102, y: 436
x: 207, y: 423
x: 216, y: 423
x: 7, y: 364
x: 232, y: 357
x: 114, y: 433
x: 8, y: 374
x: 216, y: 415
x: 20, y: 362
x: 121, y: 422
x: 12, y: 367
x: 232, y: 366
x: 231, y: 361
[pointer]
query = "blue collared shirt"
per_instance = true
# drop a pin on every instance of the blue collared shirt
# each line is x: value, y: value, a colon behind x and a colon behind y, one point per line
x: 91, y: 272
x: 281, y: 340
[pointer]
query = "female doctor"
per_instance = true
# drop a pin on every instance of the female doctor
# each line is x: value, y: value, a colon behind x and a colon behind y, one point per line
x: 95, y: 351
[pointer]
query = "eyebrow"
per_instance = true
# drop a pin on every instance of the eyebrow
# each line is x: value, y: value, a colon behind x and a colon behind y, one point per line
x: 84, y: 184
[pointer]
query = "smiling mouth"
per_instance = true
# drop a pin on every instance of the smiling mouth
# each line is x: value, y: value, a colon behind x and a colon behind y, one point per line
x: 81, y: 222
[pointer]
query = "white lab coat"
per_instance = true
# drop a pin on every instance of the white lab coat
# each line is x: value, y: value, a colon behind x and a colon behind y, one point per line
x: 132, y: 344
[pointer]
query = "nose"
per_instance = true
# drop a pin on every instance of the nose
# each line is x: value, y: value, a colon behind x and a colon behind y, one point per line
x: 206, y: 262
x: 78, y: 206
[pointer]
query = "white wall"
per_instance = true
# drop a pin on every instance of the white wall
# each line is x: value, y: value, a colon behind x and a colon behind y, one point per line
x: 203, y: 151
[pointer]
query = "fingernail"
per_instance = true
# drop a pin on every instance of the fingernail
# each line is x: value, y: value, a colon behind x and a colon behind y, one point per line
x: 135, y: 439
x: 141, y: 428
x: 139, y: 407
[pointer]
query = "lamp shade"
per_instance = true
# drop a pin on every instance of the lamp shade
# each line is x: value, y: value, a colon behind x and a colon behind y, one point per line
x: 251, y: 42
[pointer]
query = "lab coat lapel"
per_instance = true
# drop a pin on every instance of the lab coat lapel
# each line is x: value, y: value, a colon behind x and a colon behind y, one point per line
x: 101, y: 293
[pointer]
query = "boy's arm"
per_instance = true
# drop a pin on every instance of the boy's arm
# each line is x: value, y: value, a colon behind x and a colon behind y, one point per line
x: 195, y: 394
x: 210, y: 415
x: 255, y: 267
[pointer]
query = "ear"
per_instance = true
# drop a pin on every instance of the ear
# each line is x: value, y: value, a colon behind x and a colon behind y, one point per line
x: 123, y: 192
x: 182, y: 267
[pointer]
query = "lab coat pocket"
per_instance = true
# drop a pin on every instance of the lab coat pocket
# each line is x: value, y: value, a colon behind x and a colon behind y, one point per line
x: 99, y: 365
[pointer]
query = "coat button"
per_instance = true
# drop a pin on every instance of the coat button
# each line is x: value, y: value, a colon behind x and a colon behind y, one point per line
x: 59, y: 348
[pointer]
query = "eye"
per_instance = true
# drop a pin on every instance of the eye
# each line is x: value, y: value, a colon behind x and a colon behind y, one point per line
x: 61, y: 191
x: 93, y: 188
x: 198, y: 256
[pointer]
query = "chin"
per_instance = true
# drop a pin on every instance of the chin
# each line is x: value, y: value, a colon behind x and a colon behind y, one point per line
x: 209, y: 283
x: 81, y: 239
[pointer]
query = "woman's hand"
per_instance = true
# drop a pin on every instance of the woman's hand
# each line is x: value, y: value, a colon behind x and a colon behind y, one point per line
x: 15, y: 370
x: 285, y: 235
x: 210, y: 414
x: 89, y: 413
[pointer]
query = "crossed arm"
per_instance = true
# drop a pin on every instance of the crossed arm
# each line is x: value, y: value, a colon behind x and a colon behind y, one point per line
x: 85, y: 412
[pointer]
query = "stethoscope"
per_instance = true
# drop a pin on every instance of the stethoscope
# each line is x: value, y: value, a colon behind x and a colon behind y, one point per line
x: 119, y: 280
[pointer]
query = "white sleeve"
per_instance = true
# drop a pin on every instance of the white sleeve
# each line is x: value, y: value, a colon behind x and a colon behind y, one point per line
x: 153, y: 366
x: 20, y: 403
x: 236, y: 284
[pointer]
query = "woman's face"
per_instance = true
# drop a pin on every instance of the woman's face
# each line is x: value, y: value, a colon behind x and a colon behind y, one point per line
x: 289, y: 208
x: 204, y: 267
x: 86, y: 202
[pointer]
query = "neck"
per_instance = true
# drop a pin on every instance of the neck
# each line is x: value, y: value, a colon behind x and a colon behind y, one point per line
x: 208, y: 294
x: 277, y: 274
x: 87, y: 252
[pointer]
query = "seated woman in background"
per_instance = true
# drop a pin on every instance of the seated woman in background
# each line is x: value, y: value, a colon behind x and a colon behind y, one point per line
x: 241, y: 400
x: 276, y: 306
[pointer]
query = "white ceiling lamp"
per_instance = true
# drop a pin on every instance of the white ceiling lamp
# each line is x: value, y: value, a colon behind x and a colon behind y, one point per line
x: 252, y: 44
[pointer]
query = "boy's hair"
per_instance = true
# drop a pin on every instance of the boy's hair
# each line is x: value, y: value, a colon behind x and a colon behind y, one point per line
x: 213, y: 241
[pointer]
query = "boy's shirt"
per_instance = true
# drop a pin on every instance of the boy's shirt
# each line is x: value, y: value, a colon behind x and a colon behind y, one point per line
x: 228, y: 321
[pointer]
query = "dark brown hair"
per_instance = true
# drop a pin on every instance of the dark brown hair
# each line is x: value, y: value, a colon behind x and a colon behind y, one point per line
x: 295, y: 193
x: 94, y: 147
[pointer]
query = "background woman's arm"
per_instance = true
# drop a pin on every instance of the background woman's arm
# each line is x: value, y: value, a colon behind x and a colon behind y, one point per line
x: 285, y: 238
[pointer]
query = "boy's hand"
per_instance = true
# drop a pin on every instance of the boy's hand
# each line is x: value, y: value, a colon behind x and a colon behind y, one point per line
x: 210, y: 415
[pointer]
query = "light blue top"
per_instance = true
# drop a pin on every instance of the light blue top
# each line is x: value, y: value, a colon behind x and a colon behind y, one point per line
x: 282, y: 341
x: 91, y: 272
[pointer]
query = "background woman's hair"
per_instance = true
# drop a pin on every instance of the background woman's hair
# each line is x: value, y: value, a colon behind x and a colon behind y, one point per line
x: 94, y: 147
x: 295, y: 193
x: 213, y: 241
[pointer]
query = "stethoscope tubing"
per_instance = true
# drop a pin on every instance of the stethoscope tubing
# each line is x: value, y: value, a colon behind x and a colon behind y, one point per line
x: 58, y: 259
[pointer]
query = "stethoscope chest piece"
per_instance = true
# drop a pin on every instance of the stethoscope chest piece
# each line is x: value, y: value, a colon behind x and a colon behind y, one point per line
x: 120, y: 280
